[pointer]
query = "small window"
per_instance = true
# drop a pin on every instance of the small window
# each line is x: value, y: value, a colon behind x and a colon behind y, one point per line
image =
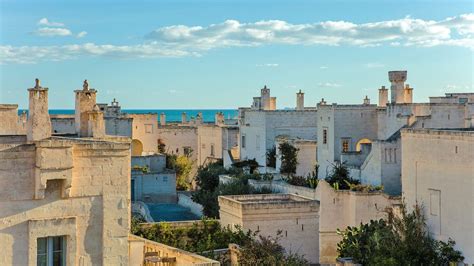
x: 51, y: 251
x: 243, y: 141
x: 325, y: 136
x: 345, y: 145
x: 165, y: 179
x: 212, y: 150
x: 149, y: 128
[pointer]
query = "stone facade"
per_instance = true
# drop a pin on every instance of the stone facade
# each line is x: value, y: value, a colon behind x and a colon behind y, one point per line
x: 438, y: 174
x: 295, y: 216
x: 306, y: 155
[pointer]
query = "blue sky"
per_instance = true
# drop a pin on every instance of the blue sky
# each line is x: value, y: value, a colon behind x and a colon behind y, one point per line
x: 218, y: 54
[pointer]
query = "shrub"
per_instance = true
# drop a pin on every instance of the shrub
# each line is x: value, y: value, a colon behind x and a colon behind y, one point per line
x: 271, y: 157
x: 401, y: 240
x: 339, y: 177
x: 289, y: 158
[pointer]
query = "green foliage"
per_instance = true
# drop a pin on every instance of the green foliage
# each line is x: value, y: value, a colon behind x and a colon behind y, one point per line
x: 200, y: 237
x: 339, y: 177
x: 268, y: 251
x: 183, y: 166
x: 271, y: 157
x: 311, y: 180
x: 144, y: 168
x: 401, y: 240
x: 207, y: 179
x: 289, y: 158
x: 252, y: 165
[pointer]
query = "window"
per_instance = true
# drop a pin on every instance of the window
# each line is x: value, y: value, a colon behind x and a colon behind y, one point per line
x: 212, y: 150
x: 148, y: 128
x: 325, y: 136
x: 243, y: 141
x: 51, y: 251
x: 165, y: 179
x: 346, y: 145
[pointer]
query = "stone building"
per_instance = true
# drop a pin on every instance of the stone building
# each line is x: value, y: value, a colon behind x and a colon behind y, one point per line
x: 438, y: 174
x: 259, y: 127
x: 367, y: 137
x: 66, y: 200
x: 295, y: 216
x: 306, y: 154
x: 63, y: 198
x: 203, y: 142
x: 151, y: 181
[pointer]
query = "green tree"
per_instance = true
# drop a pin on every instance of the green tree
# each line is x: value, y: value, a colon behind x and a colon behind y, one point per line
x: 271, y: 157
x: 268, y: 251
x: 289, y: 158
x: 183, y: 166
x: 403, y: 239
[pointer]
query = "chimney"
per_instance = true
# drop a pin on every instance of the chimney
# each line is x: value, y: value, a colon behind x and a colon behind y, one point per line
x: 85, y: 102
x: 366, y: 100
x: 408, y: 94
x: 397, y: 78
x: 199, y: 118
x: 322, y: 102
x: 300, y: 101
x: 383, y: 96
x: 39, y: 122
x: 162, y: 119
x: 219, y: 118
x: 184, y: 119
x: 96, y: 125
x: 265, y: 98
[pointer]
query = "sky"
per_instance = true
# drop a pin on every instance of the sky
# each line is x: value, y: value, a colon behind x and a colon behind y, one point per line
x: 219, y: 54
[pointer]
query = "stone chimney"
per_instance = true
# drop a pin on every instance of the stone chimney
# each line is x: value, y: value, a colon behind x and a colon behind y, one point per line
x: 322, y: 102
x: 85, y: 102
x: 199, y: 119
x: 39, y: 122
x: 397, y: 78
x: 96, y: 125
x: 219, y: 118
x: 408, y: 94
x: 265, y: 98
x: 383, y: 96
x: 184, y: 118
x: 300, y: 101
x: 366, y: 100
x: 162, y: 119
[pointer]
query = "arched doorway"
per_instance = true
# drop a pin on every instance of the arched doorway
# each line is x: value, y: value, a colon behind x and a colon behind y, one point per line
x: 137, y: 147
x: 362, y: 141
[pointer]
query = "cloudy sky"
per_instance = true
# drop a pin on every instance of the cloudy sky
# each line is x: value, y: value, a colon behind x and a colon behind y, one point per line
x: 218, y: 54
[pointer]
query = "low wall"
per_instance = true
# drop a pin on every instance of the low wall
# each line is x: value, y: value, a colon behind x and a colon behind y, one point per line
x: 184, y: 199
x: 142, y: 209
x: 279, y: 186
x: 139, y: 247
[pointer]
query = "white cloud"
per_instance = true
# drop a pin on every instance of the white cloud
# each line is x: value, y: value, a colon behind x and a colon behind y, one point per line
x: 267, y: 65
x: 46, y: 22
x: 454, y: 31
x: 81, y: 34
x: 181, y: 40
x: 34, y: 54
x: 329, y: 85
x: 51, y: 32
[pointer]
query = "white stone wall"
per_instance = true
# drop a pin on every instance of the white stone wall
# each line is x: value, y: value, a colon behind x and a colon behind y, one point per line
x: 145, y: 129
x: 209, y: 136
x: 297, y: 220
x: 89, y: 203
x: 118, y: 126
x: 260, y: 129
x: 438, y: 173
x: 177, y: 137
x: 10, y: 121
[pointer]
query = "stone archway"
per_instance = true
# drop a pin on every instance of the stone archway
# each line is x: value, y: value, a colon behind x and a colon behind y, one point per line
x: 362, y: 141
x: 137, y: 147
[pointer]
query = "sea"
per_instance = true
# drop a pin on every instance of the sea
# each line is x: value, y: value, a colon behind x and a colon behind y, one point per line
x: 172, y: 115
